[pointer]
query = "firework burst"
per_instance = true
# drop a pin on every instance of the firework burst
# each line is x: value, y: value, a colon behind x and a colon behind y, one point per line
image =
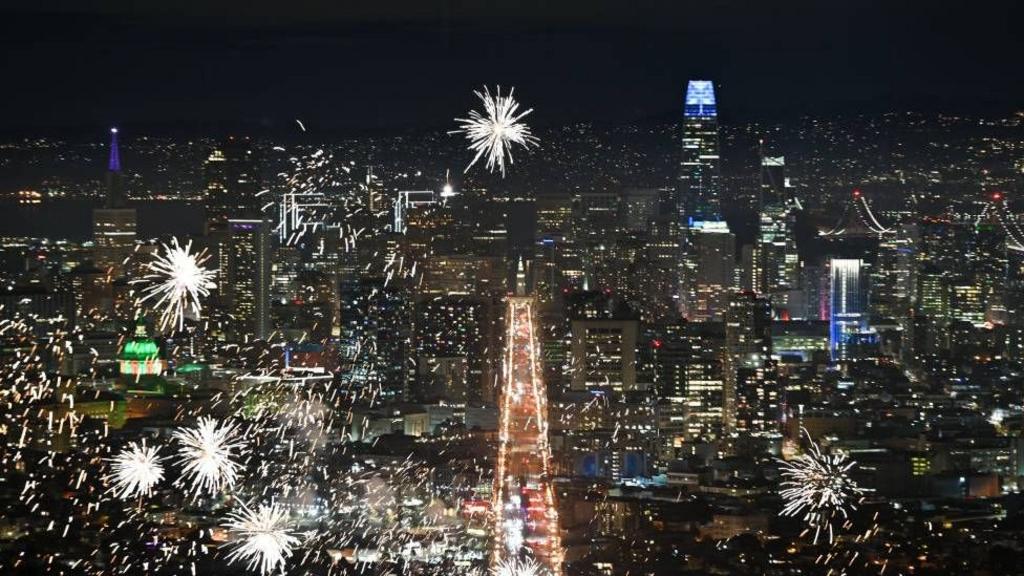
x: 206, y: 453
x: 136, y: 470
x: 519, y: 567
x: 819, y: 487
x: 261, y: 537
x: 493, y: 132
x: 178, y: 280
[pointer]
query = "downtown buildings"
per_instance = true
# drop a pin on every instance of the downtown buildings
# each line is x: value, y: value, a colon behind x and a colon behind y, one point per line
x: 893, y: 347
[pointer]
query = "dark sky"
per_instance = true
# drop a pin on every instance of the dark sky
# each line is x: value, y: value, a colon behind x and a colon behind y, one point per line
x: 401, y: 64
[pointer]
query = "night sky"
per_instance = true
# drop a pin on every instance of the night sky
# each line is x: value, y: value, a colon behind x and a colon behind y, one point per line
x: 408, y: 64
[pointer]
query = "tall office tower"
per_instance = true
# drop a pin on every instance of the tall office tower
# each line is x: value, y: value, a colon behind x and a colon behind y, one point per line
x: 967, y: 304
x: 689, y: 382
x: 555, y: 255
x: 773, y: 181
x: 248, y: 277
x: 776, y: 263
x: 285, y: 273
x: 661, y: 267
x: 113, y: 225
x: 708, y: 272
x: 698, y: 190
x: 848, y: 318
x: 988, y: 254
x: 376, y: 332
x: 232, y: 182
x: 602, y: 350
x: 490, y: 233
x: 751, y: 396
x: 932, y: 294
x: 699, y: 175
x: 456, y: 347
x: 814, y: 285
x: 891, y: 280
x: 596, y: 230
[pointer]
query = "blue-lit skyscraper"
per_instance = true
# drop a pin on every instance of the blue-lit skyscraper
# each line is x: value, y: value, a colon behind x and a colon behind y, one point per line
x: 699, y: 167
x: 698, y: 197
x: 848, y: 319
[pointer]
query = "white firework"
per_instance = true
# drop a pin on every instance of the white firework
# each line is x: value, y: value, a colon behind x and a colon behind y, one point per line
x: 207, y: 453
x: 514, y: 566
x: 136, y: 470
x: 493, y: 132
x: 261, y: 537
x: 819, y: 487
x: 179, y: 281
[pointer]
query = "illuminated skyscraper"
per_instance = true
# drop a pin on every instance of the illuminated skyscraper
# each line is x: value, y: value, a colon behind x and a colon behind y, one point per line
x: 699, y: 174
x: 751, y: 394
x: 248, y: 277
x: 848, y: 319
x: 698, y: 191
x: 708, y: 270
x: 773, y: 181
x: 776, y: 261
x: 113, y: 225
x: 232, y: 182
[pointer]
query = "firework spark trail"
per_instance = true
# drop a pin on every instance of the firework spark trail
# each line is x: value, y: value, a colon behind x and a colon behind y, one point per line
x: 136, y: 470
x: 514, y: 566
x: 495, y: 131
x: 819, y: 487
x: 262, y: 537
x: 206, y: 452
x: 179, y: 281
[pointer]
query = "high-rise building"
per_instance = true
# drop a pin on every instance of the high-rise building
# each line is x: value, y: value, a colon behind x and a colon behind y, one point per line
x: 848, y: 320
x: 708, y: 272
x: 751, y: 398
x: 688, y: 364
x: 773, y: 181
x: 456, y: 347
x: 603, y: 354
x: 776, y: 263
x: 375, y: 332
x: 699, y: 175
x: 698, y: 191
x: 114, y: 225
x: 892, y: 278
x: 232, y: 182
x: 249, y: 277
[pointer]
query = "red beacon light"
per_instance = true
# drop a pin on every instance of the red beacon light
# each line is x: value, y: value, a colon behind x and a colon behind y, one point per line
x: 997, y: 196
x: 856, y: 193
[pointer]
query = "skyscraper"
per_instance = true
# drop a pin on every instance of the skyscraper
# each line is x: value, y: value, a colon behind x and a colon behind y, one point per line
x: 708, y: 269
x: 776, y: 261
x: 751, y: 396
x: 248, y: 277
x: 773, y: 181
x: 113, y: 225
x: 849, y: 306
x: 232, y: 182
x: 698, y: 191
x: 699, y: 175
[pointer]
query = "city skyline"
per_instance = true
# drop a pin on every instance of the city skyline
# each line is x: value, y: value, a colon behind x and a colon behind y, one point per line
x: 428, y: 317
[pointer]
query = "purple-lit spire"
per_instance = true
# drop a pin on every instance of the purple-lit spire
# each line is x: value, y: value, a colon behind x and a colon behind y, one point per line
x: 115, y: 156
